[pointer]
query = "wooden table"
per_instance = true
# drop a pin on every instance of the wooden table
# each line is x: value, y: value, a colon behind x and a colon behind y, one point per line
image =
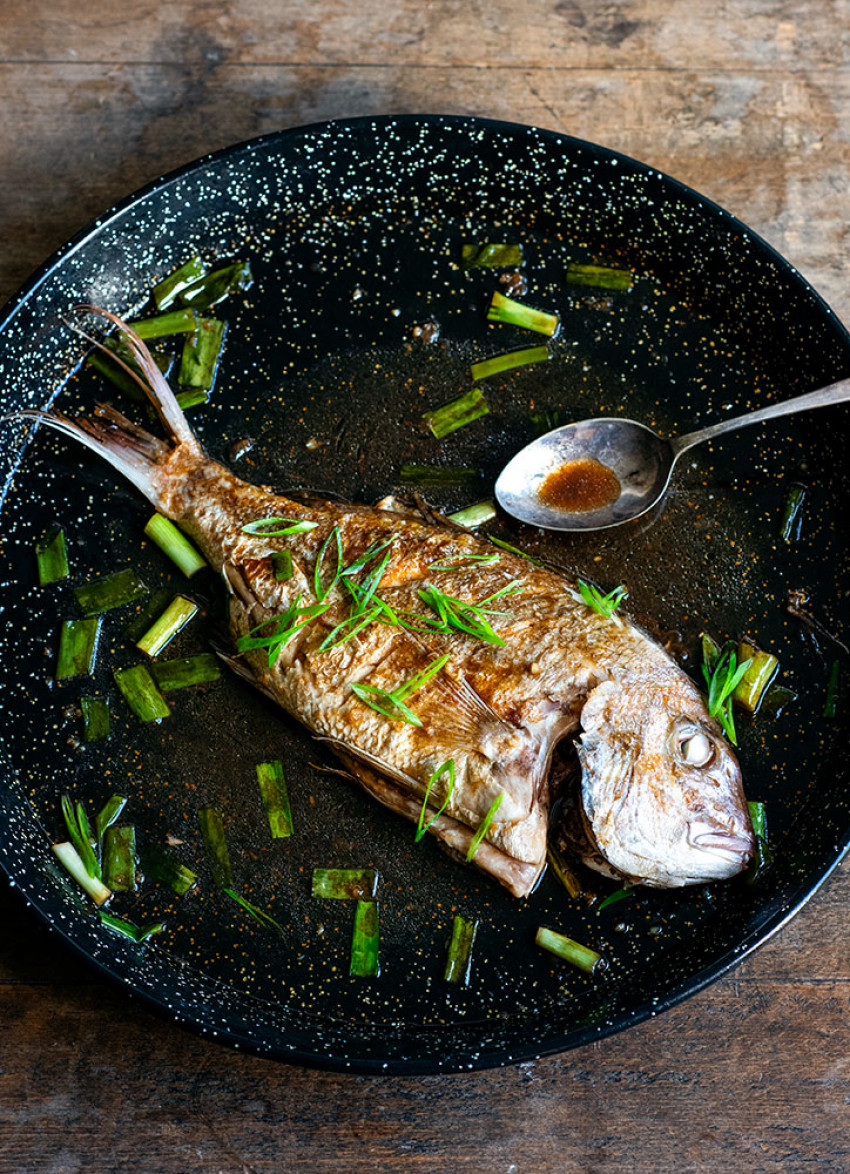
x: 747, y: 102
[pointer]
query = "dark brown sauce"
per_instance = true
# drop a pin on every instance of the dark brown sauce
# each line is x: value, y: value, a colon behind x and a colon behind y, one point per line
x: 579, y: 486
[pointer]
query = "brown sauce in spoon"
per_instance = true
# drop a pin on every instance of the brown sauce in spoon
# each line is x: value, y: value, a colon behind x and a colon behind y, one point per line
x: 579, y: 486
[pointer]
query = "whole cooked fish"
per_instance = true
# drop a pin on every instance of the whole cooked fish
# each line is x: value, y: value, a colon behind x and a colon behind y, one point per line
x: 444, y: 672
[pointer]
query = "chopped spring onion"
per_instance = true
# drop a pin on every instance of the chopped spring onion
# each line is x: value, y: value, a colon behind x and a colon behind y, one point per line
x: 514, y: 550
x: 546, y: 420
x: 563, y: 872
x: 722, y: 674
x: 51, y: 556
x: 613, y: 898
x: 454, y: 615
x: 391, y: 704
x: 557, y: 943
x: 514, y: 313
x: 173, y: 619
x: 260, y: 915
x: 174, y: 322
x: 484, y: 827
x: 146, y: 615
x: 350, y: 626
x: 109, y: 592
x: 275, y: 798
x: 762, y: 667
x: 192, y: 399
x: 321, y: 591
x: 141, y: 694
x: 830, y: 706
x: 763, y: 856
x: 78, y: 641
x: 201, y: 353
x: 474, y: 515
x: 108, y: 814
x: 119, y: 857
x: 792, y: 513
x: 212, y: 831
x: 456, y: 414
x: 605, y: 605
x: 117, y: 376
x: 286, y: 626
x: 95, y: 718
x: 136, y: 933
x: 434, y: 475
x: 465, y: 560
x: 286, y: 526
x: 508, y: 362
x: 81, y: 835
x: 215, y: 286
x: 67, y: 855
x: 364, y: 591
x: 166, y: 292
x: 365, y: 941
x: 448, y: 768
x: 601, y: 276
x: 367, y: 556
x: 188, y: 670
x: 459, y: 959
x: 345, y: 884
x: 282, y: 568
x: 491, y: 256
x: 161, y: 866
x: 176, y: 545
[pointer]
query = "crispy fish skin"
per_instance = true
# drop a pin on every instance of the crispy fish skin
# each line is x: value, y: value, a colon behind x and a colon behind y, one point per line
x: 652, y: 812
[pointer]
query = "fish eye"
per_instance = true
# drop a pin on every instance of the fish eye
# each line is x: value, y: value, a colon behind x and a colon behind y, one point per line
x: 695, y: 748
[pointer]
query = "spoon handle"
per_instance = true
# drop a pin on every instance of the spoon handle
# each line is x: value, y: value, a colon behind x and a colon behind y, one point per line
x: 835, y: 393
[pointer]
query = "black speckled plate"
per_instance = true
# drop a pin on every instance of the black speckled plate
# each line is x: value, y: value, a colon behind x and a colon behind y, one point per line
x: 354, y: 231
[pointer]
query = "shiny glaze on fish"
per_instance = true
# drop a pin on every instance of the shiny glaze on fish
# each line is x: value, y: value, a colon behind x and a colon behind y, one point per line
x: 661, y: 794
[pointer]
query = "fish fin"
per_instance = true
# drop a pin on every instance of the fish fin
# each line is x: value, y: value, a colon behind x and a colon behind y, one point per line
x: 133, y: 451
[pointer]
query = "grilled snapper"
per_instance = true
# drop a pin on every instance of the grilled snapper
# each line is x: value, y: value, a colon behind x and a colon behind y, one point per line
x: 661, y: 799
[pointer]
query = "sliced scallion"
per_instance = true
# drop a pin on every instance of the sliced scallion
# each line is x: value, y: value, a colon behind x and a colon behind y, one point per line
x: 174, y: 322
x: 436, y: 475
x: 762, y: 667
x: 345, y: 884
x: 275, y: 798
x: 366, y: 557
x: 514, y: 550
x: 68, y: 856
x: 95, y: 718
x: 484, y: 827
x: 491, y: 256
x: 259, y: 915
x: 456, y: 414
x: 51, y: 556
x: 508, y: 362
x: 365, y: 941
x: 722, y: 674
x: 173, y: 619
x: 106, y: 366
x: 285, y: 627
x: 472, y: 516
x: 350, y: 627
x: 459, y: 959
x: 563, y: 872
x: 141, y: 694
x: 391, y: 704
x: 278, y: 527
x: 160, y: 866
x: 612, y: 898
x: 211, y: 823
x: 215, y: 286
x: 201, y: 354
x: 166, y: 291
x: 513, y: 313
x: 81, y: 836
x: 568, y: 949
x: 78, y: 640
x: 762, y: 856
x: 108, y: 814
x: 599, y: 276
x: 320, y: 589
x: 192, y: 398
x: 604, y: 605
x: 792, y: 513
x: 176, y: 545
x: 187, y: 671
x: 109, y: 592
x: 456, y: 615
x: 119, y: 857
x: 282, y: 568
x: 136, y: 933
x: 422, y: 826
x: 464, y: 561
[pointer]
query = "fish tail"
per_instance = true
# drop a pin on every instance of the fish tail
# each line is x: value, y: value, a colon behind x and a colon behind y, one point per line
x: 129, y: 448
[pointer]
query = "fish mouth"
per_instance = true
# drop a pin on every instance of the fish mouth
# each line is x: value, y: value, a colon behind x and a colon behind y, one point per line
x: 729, y: 845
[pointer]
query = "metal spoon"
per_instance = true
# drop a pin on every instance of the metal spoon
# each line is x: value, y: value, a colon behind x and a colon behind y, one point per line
x: 642, y: 461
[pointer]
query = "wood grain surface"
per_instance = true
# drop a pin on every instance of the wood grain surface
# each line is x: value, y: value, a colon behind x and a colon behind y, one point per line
x: 746, y: 100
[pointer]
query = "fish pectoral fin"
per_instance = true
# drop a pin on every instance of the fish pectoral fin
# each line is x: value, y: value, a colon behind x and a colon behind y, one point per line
x: 351, y: 754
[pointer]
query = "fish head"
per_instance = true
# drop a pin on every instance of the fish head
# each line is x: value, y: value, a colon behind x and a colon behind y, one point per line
x: 661, y: 787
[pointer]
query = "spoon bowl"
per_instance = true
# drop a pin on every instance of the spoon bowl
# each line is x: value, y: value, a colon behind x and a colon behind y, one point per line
x: 641, y: 461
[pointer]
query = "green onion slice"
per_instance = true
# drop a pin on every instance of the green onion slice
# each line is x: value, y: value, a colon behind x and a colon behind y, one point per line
x: 514, y: 550
x: 349, y: 627
x: 320, y: 590
x: 119, y: 857
x: 173, y: 619
x: 464, y: 560
x: 286, y: 626
x: 366, y: 557
x: 498, y: 364
x: 563, y: 872
x: 513, y: 313
x: 448, y: 768
x: 78, y: 640
x: 275, y: 798
x: 108, y: 814
x: 830, y: 705
x: 571, y: 951
x: 282, y: 567
x: 160, y: 866
x: 200, y: 356
x: 763, y: 855
x: 459, y: 959
x: 68, y: 856
x: 95, y: 718
x: 365, y: 941
x: 259, y: 915
x: 192, y: 398
x: 456, y: 414
x: 263, y: 527
x: 175, y: 322
x: 166, y: 291
x: 345, y: 884
x: 141, y: 694
x: 762, y: 667
x: 600, y: 276
x: 605, y: 605
x: 81, y: 836
x: 473, y: 516
x: 613, y: 898
x: 484, y: 827
x: 188, y: 670
x: 215, y: 286
x: 136, y: 933
x: 722, y: 675
x: 51, y: 556
x: 110, y: 592
x: 176, y: 545
x: 491, y: 256
x: 792, y: 513
x: 212, y: 831
x: 391, y: 704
